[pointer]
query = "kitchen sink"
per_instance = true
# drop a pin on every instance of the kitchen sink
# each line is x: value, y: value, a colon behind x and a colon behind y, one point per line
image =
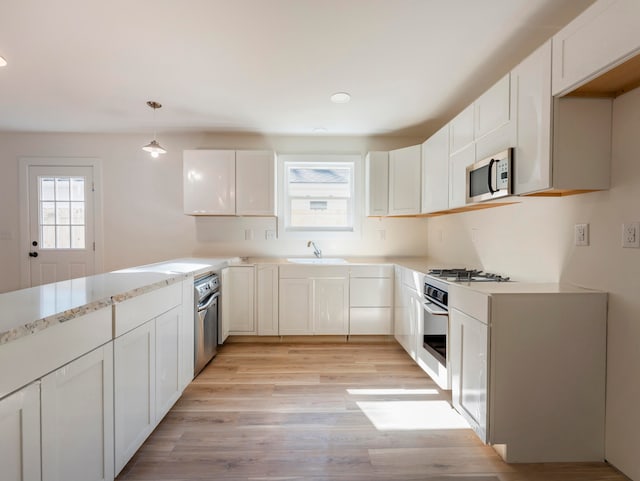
x: 317, y: 260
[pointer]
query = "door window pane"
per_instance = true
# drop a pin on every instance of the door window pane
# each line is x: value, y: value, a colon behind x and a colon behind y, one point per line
x: 62, y: 212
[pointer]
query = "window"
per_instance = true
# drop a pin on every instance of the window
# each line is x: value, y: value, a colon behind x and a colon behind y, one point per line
x: 61, y: 212
x: 319, y: 196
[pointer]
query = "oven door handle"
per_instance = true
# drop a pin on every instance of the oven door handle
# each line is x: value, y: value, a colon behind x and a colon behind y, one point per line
x: 427, y: 307
x: 213, y: 297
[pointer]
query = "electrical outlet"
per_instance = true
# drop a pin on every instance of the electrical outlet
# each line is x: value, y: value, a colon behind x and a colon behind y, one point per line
x: 631, y: 234
x: 581, y: 234
x: 270, y: 234
x: 382, y: 234
x: 248, y: 234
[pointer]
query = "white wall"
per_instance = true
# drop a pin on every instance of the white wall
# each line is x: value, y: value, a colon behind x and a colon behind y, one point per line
x: 142, y: 197
x: 533, y: 241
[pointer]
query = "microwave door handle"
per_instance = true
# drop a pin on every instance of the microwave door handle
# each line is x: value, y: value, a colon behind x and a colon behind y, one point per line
x: 490, y: 177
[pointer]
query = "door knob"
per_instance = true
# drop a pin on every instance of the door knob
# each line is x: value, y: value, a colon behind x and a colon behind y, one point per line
x: 33, y: 254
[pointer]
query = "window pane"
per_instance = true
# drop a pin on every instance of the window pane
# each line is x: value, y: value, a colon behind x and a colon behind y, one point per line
x: 48, y: 238
x: 305, y: 214
x: 319, y: 182
x: 46, y: 188
x: 77, y: 237
x: 62, y: 213
x: 62, y: 188
x: 48, y: 213
x: 63, y: 237
x: 77, y: 213
x: 77, y: 188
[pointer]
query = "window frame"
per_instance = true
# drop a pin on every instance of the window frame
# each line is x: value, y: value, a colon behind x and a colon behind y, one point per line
x: 338, y: 159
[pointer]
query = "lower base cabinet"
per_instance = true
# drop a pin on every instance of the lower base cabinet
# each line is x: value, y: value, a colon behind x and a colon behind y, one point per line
x: 20, y: 435
x: 77, y: 419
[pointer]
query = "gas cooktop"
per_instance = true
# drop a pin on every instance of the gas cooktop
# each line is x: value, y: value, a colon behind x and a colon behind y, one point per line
x: 466, y: 275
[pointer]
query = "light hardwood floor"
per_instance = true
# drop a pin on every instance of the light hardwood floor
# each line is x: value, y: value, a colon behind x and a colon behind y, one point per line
x: 339, y: 412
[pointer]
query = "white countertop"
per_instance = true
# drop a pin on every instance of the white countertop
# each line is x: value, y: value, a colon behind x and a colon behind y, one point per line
x: 499, y: 288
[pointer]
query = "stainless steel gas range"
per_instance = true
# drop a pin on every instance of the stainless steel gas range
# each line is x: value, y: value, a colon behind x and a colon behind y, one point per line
x: 433, y: 347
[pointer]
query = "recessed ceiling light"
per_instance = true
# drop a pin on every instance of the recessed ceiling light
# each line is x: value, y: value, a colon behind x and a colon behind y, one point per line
x: 340, y: 98
x: 3, y: 62
x: 319, y: 130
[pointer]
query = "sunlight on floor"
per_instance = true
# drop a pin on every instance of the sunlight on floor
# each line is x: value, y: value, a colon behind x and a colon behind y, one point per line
x: 384, y: 392
x: 412, y: 415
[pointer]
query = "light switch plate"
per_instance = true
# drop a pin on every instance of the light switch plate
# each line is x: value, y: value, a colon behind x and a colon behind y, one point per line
x: 631, y: 234
x: 581, y: 234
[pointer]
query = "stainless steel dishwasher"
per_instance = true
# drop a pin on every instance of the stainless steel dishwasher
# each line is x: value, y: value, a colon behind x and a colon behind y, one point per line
x: 207, y: 310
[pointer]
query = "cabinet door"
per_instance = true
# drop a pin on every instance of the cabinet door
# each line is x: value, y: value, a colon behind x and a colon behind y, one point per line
x: 469, y: 365
x: 238, y: 299
x: 267, y: 300
x: 77, y: 419
x: 435, y: 172
x: 168, y: 350
x: 20, y: 435
x: 331, y: 306
x: 134, y: 390
x: 405, y: 319
x: 377, y: 183
x: 532, y: 85
x: 255, y: 182
x: 187, y: 334
x: 461, y: 132
x: 492, y: 108
x: 458, y: 176
x: 370, y: 292
x: 602, y: 36
x: 404, y: 181
x: 209, y: 182
x: 295, y: 307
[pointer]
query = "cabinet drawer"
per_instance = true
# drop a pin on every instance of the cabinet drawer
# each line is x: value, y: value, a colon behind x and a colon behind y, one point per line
x: 371, y: 292
x: 370, y: 320
x: 136, y: 311
x: 382, y: 270
x: 26, y: 359
x: 472, y: 303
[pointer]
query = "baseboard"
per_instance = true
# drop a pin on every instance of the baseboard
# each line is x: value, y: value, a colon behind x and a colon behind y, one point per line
x: 311, y: 339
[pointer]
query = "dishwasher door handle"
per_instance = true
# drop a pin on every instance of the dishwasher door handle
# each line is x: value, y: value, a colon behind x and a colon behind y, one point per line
x: 213, y: 297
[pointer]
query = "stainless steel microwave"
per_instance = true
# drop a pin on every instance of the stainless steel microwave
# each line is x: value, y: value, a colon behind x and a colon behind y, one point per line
x: 490, y: 178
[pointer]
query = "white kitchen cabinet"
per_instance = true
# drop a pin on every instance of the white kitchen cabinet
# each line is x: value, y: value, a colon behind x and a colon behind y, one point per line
x: 377, y: 183
x: 371, y: 300
x: 238, y: 300
x: 492, y: 109
x: 135, y: 388
x: 562, y: 144
x: 404, y: 181
x: 229, y: 182
x: 522, y: 354
x: 331, y: 306
x: 469, y: 366
x: 255, y: 182
x: 209, y: 181
x: 295, y: 306
x: 435, y: 172
x: 461, y: 130
x: 77, y: 419
x: 458, y: 163
x: 168, y: 352
x: 20, y: 435
x: 187, y: 334
x: 408, y: 310
x: 267, y: 299
x: 314, y: 300
x: 601, y: 37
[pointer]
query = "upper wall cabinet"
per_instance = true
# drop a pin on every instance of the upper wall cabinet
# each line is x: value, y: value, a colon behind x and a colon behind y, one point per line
x: 404, y: 181
x: 562, y: 145
x: 377, y: 184
x: 603, y: 36
x: 435, y: 172
x: 461, y: 130
x: 393, y: 182
x: 228, y: 182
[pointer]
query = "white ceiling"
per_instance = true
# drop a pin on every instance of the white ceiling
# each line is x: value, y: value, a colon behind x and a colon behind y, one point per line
x: 265, y: 66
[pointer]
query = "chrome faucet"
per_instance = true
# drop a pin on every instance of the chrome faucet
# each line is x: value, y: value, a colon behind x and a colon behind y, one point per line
x: 316, y: 250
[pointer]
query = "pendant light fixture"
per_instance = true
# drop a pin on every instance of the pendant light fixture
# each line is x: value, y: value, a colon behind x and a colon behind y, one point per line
x: 153, y: 147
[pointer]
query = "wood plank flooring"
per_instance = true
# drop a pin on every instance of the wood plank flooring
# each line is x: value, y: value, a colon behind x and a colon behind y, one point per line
x: 336, y: 412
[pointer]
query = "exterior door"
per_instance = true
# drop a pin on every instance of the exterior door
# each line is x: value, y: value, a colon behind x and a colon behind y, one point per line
x: 61, y: 226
